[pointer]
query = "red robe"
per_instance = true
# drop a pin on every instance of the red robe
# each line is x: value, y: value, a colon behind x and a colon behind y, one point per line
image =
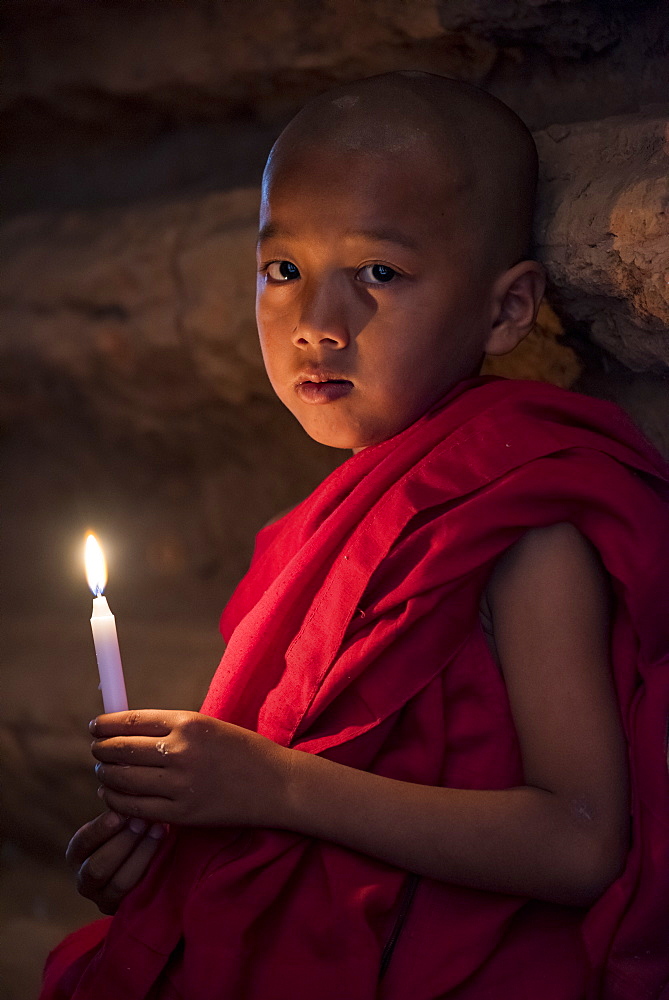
x: 356, y: 635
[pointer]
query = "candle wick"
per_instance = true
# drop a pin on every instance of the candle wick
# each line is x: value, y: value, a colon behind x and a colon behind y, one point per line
x: 98, y: 592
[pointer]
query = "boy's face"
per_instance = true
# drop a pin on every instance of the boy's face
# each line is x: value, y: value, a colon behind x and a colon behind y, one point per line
x: 370, y: 303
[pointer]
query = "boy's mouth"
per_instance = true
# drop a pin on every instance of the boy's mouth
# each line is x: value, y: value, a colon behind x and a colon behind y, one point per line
x: 321, y: 389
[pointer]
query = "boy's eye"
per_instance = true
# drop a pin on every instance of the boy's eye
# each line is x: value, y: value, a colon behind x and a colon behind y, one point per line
x: 282, y: 270
x: 377, y: 274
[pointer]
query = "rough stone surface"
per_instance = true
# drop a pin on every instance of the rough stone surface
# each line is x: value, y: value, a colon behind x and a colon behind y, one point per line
x: 147, y: 311
x: 603, y: 231
x: 76, y: 72
x: 200, y: 58
x: 193, y: 56
x: 563, y: 27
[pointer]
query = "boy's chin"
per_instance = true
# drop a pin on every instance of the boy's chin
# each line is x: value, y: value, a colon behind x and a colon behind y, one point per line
x: 343, y: 437
x: 342, y: 441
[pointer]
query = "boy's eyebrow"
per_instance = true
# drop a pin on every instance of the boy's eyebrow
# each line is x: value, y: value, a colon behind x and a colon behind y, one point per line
x: 269, y: 231
x: 384, y: 235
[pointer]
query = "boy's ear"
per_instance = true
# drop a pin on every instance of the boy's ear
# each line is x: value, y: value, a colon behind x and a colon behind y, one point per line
x: 515, y: 301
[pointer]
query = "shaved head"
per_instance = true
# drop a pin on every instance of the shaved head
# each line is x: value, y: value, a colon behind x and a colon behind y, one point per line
x: 476, y: 145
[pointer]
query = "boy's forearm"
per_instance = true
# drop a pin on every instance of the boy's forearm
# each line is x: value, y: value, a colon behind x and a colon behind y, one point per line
x: 521, y: 840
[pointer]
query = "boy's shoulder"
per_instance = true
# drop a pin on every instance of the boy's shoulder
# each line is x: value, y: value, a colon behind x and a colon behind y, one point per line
x: 529, y: 418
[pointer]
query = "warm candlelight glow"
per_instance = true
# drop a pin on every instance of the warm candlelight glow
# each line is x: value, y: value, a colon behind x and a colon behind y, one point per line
x: 96, y: 565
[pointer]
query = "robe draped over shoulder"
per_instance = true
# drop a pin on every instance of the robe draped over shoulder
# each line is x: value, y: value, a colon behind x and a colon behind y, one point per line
x: 356, y: 635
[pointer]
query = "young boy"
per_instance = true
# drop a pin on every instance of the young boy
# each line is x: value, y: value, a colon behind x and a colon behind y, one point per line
x: 442, y: 695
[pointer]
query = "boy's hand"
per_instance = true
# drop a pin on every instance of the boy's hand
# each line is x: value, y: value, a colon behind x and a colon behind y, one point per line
x: 187, y: 768
x: 109, y: 855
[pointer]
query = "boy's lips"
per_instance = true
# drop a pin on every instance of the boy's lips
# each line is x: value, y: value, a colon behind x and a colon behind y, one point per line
x: 321, y: 387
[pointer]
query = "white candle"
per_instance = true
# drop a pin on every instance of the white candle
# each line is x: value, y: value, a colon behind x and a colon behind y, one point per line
x: 103, y: 626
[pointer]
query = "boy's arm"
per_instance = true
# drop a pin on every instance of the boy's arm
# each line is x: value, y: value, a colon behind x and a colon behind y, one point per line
x: 562, y: 836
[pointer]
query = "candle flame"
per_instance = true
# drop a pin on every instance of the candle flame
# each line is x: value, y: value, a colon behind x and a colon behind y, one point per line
x: 96, y: 565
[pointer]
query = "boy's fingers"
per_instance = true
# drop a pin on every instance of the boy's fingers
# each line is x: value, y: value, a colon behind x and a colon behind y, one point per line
x: 148, y: 750
x: 95, y: 872
x: 141, y: 722
x: 131, y: 871
x: 113, y: 870
x: 91, y: 836
x: 133, y: 780
x: 150, y: 808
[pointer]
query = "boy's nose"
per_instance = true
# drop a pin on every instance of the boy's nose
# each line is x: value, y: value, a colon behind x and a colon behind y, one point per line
x: 322, y: 320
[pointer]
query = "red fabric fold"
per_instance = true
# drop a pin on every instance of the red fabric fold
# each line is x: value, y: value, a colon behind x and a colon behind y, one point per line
x: 356, y: 635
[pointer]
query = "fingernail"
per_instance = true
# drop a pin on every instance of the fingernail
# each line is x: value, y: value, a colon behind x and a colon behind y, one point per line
x: 137, y: 825
x: 101, y: 792
x: 112, y: 820
x: 91, y: 725
x: 156, y: 831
